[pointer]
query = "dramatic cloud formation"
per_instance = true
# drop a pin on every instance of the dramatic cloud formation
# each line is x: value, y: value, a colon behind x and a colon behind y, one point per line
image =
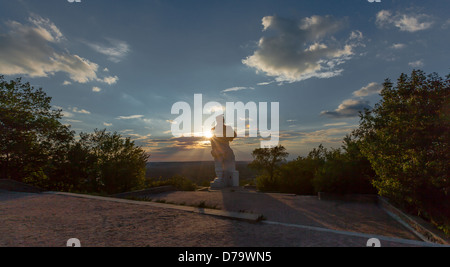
x: 404, y: 22
x: 31, y: 50
x: 301, y: 50
x: 116, y: 50
x: 370, y: 89
x: 348, y: 109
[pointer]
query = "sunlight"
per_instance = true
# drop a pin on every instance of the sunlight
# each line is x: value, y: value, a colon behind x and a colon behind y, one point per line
x: 208, y: 134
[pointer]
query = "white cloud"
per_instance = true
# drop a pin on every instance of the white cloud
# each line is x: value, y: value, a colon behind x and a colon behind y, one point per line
x: 110, y: 80
x: 348, y: 109
x: 302, y: 49
x: 235, y: 89
x: 416, y: 64
x: 370, y: 89
x: 266, y: 83
x: 116, y: 50
x: 132, y: 117
x: 73, y: 121
x: 34, y: 49
x: 65, y: 83
x: 107, y: 124
x: 404, y: 22
x: 96, y: 89
x: 80, y: 111
x: 67, y: 114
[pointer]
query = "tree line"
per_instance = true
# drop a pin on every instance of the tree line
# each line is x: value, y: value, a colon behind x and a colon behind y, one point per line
x: 400, y: 151
x: 36, y: 148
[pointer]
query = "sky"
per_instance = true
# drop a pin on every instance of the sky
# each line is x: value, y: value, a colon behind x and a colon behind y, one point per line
x: 121, y: 65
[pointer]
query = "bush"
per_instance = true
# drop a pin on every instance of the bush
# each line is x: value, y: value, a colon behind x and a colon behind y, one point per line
x: 296, y: 177
x: 345, y: 172
x: 266, y: 184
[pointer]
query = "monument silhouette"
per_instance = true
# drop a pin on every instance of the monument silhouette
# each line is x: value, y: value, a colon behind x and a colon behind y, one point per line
x: 224, y: 158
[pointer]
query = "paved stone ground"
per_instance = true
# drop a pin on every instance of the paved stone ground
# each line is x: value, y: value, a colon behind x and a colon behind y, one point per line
x: 50, y: 220
x: 303, y: 210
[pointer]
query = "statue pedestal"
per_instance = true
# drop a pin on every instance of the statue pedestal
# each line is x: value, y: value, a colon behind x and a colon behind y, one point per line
x: 228, y: 179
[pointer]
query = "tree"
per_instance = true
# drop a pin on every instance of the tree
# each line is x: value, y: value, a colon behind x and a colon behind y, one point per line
x: 295, y: 177
x: 406, y: 139
x: 268, y: 160
x: 344, y: 170
x: 109, y: 163
x: 32, y: 139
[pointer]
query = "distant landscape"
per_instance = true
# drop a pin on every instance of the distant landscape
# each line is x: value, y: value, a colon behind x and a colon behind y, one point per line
x: 199, y: 172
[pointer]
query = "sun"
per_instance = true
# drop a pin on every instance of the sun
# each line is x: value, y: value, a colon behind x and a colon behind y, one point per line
x: 208, y: 134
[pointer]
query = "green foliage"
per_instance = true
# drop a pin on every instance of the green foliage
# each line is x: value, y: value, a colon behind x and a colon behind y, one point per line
x: 32, y: 139
x: 37, y: 149
x: 107, y: 162
x: 296, y: 176
x: 268, y: 160
x: 406, y: 139
x: 344, y: 172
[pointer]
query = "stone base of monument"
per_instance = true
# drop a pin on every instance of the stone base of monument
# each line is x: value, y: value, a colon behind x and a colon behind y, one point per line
x: 228, y: 179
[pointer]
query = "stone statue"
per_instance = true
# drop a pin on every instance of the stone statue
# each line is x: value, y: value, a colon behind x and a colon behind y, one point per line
x: 225, y: 164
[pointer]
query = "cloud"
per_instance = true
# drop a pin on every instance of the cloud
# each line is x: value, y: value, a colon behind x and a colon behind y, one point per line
x: 370, y: 89
x: 266, y: 83
x: 73, y: 121
x: 446, y: 25
x: 235, y: 89
x: 35, y: 49
x: 107, y: 124
x: 404, y: 22
x: 416, y: 64
x: 65, y: 83
x: 80, y: 111
x: 330, y: 135
x: 335, y: 124
x: 398, y: 46
x: 67, y: 114
x: 96, y: 89
x: 303, y: 49
x: 110, y: 80
x: 116, y: 50
x: 132, y: 117
x: 348, y: 109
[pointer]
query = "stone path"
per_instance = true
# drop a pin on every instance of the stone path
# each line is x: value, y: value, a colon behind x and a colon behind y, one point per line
x: 358, y: 217
x: 50, y: 220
